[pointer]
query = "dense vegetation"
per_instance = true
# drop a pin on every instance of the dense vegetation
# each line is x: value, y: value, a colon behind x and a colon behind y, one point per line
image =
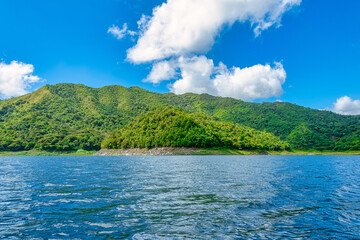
x: 67, y: 117
x: 171, y: 127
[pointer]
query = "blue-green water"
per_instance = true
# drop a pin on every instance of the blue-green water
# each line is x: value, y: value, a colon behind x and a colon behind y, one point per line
x: 183, y: 197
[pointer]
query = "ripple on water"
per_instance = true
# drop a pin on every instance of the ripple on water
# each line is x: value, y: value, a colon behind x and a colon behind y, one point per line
x: 184, y: 197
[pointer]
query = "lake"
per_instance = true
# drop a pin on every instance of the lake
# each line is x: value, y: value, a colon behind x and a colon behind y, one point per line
x: 180, y: 197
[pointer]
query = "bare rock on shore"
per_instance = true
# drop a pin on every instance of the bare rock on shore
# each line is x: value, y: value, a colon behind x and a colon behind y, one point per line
x: 143, y: 151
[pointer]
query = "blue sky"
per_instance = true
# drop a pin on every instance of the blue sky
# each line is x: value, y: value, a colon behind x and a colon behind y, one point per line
x: 318, y: 45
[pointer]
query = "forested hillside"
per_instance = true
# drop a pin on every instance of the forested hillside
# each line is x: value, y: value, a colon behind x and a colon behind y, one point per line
x: 171, y: 127
x: 66, y: 117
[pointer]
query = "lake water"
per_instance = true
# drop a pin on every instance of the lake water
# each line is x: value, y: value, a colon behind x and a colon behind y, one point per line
x: 182, y: 197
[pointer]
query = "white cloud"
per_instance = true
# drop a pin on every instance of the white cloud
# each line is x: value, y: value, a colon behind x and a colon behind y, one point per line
x: 256, y: 82
x: 200, y: 75
x: 180, y: 27
x: 120, y: 33
x: 15, y: 78
x: 346, y: 106
x: 195, y: 76
x: 161, y: 71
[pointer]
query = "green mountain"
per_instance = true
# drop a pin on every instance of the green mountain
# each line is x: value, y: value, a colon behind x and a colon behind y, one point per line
x: 72, y: 116
x: 171, y: 127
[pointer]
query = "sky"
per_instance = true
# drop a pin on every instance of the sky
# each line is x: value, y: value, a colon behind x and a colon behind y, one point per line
x: 299, y: 51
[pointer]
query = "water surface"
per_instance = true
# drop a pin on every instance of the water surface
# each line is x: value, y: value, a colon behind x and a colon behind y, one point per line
x: 182, y: 197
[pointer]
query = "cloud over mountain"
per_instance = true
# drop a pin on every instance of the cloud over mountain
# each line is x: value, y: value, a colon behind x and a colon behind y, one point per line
x: 15, y: 78
x: 161, y: 71
x: 199, y: 75
x: 346, y: 106
x: 178, y: 34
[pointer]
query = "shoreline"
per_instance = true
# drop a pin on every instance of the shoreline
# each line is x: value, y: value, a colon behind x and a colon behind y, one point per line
x: 172, y: 151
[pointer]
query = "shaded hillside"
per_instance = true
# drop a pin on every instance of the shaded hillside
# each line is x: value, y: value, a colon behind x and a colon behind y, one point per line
x: 171, y: 127
x: 73, y: 116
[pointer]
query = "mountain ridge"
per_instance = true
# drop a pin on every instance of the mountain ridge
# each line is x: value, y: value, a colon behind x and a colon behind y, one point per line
x: 64, y: 111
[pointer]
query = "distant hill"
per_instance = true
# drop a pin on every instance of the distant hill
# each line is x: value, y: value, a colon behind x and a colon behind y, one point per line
x: 66, y: 117
x: 172, y: 127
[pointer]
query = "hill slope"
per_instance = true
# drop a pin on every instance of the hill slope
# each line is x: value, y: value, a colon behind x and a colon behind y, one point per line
x: 73, y: 116
x: 171, y: 127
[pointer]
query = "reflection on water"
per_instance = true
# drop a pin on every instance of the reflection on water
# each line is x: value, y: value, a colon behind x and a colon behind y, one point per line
x: 194, y: 197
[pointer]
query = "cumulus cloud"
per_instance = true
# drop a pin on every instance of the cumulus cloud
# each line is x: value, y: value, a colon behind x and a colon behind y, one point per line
x: 195, y: 76
x: 120, y: 33
x: 256, y: 82
x: 346, y: 106
x: 199, y: 75
x: 161, y: 71
x: 179, y: 32
x: 15, y: 78
x: 180, y: 27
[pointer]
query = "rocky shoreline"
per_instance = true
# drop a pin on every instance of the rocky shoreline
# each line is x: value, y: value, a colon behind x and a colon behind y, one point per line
x: 163, y: 151
x: 171, y: 151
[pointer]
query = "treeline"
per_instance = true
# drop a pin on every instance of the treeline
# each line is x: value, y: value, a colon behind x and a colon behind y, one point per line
x: 46, y: 121
x: 67, y: 117
x: 172, y: 127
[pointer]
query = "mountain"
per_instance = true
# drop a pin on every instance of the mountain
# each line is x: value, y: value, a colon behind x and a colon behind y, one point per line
x: 173, y: 127
x: 66, y: 117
